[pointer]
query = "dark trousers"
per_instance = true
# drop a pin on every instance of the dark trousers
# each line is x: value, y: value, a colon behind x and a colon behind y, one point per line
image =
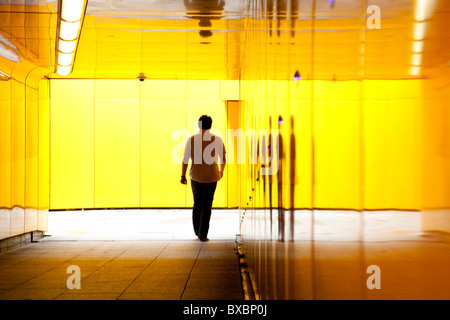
x: 201, y: 212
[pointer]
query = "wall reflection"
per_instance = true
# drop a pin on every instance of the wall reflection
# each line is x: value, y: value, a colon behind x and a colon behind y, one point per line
x: 363, y: 148
x: 204, y: 11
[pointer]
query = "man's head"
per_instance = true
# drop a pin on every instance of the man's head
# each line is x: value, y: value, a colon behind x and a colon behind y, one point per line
x: 205, y: 122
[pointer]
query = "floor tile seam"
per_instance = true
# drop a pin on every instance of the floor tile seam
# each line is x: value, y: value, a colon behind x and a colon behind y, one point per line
x: 146, y: 267
x: 192, y: 269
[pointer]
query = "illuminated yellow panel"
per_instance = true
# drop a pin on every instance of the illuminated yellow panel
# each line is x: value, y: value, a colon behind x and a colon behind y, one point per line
x: 300, y: 144
x: 31, y: 159
x: 43, y: 153
x: 5, y: 145
x: 17, y: 157
x: 232, y: 166
x: 336, y: 154
x: 203, y: 90
x: 17, y: 145
x: 404, y: 153
x: 160, y: 175
x: 5, y: 159
x: 31, y: 151
x: 72, y: 89
x: 229, y: 90
x: 216, y: 109
x: 163, y: 90
x: 72, y: 153
x: 117, y: 89
x: 117, y: 149
x: 392, y: 147
x: 434, y: 114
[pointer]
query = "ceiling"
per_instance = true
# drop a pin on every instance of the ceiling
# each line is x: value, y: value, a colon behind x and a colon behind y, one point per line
x: 206, y: 39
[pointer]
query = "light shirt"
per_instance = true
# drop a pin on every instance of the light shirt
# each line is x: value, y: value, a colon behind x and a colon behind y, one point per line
x: 204, y: 153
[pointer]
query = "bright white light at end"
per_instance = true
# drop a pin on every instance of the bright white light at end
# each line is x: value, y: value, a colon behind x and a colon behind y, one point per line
x: 72, y: 10
x: 63, y: 70
x: 69, y: 31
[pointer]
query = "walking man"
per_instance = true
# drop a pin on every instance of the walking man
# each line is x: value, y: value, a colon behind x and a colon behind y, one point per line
x: 204, y: 150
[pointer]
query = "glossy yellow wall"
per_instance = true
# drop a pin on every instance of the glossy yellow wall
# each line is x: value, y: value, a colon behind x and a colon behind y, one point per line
x: 367, y: 141
x: 363, y: 144
x: 111, y: 140
x: 5, y: 159
x: 360, y: 160
x: 24, y: 158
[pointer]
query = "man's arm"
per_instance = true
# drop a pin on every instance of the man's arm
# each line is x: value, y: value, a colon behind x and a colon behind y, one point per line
x: 223, y: 161
x: 183, y: 173
x: 184, y: 164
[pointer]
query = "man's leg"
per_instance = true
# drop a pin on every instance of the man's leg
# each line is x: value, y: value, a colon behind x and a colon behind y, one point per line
x: 207, y: 200
x: 197, y: 208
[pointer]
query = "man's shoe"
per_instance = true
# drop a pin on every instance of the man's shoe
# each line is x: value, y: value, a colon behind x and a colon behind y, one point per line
x: 203, y: 239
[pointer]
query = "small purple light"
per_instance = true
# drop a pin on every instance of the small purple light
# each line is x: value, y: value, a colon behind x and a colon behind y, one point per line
x: 297, y: 76
x: 331, y: 2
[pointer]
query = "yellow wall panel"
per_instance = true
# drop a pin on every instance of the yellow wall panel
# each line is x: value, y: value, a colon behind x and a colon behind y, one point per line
x: 31, y: 159
x: 5, y: 144
x: 202, y: 90
x: 404, y: 152
x: 72, y: 89
x: 301, y: 153
x: 435, y: 116
x: 72, y: 153
x: 336, y: 155
x: 43, y: 155
x: 44, y: 147
x: 160, y: 175
x: 17, y: 144
x: 392, y: 148
x: 128, y: 163
x: 117, y: 149
x: 17, y: 158
x: 31, y: 148
x: 111, y: 89
x: 229, y: 89
x: 232, y: 168
x: 163, y: 90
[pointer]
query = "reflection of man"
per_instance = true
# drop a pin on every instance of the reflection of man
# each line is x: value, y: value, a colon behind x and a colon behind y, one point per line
x: 204, y: 149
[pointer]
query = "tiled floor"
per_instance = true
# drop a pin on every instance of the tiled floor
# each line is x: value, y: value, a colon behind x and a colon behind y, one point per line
x: 153, y: 256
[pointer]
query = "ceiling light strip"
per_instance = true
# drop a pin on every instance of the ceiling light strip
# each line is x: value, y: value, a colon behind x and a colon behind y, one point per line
x: 70, y: 20
x: 423, y: 12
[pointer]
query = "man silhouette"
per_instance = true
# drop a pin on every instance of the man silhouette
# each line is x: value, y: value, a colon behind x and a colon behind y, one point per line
x: 204, y: 150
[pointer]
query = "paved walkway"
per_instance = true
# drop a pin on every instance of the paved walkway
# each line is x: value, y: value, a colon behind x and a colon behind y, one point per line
x: 135, y: 254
